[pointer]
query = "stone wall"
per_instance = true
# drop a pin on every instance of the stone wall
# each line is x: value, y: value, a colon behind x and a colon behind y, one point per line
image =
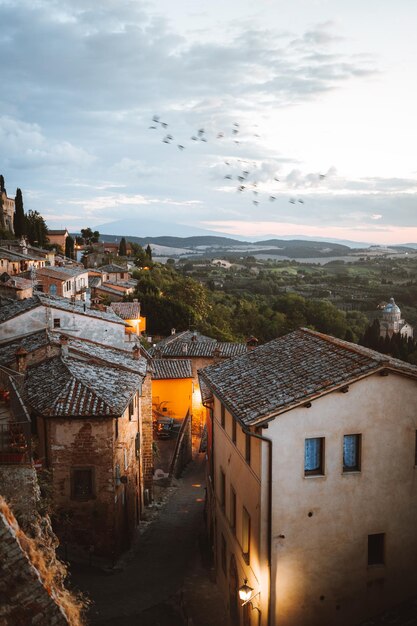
x: 147, y: 436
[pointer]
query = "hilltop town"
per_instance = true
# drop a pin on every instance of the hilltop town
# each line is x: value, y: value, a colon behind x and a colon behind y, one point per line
x: 218, y: 440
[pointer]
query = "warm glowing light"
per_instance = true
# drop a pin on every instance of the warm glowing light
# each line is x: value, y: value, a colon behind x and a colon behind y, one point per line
x: 245, y: 592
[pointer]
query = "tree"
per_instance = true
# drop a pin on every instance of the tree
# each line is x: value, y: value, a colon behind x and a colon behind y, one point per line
x: 2, y: 187
x: 19, y: 222
x: 36, y: 229
x: 122, y: 247
x: 89, y: 235
x: 148, y: 252
x: 69, y: 247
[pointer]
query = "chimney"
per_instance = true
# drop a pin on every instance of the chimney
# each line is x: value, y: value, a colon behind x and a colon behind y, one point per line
x: 172, y: 331
x: 194, y: 336
x: 135, y: 300
x: 216, y: 354
x: 21, y: 359
x: 136, y: 352
x: 63, y: 340
x: 251, y: 343
x: 184, y: 348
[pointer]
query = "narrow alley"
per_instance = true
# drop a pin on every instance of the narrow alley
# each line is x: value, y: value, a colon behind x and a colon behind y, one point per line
x: 164, y: 581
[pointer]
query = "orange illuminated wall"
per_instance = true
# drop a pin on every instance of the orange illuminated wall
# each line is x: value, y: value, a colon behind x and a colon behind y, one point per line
x: 174, y: 394
x: 137, y: 325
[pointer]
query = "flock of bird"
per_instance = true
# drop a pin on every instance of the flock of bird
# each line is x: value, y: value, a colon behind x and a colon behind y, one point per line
x: 239, y: 171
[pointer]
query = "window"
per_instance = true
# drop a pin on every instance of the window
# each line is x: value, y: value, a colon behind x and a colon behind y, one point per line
x: 125, y: 459
x: 224, y: 555
x: 245, y: 535
x: 131, y: 410
x: 314, y: 457
x: 233, y: 430
x: 247, y: 448
x: 376, y: 549
x: 82, y: 484
x: 116, y: 428
x: 57, y: 322
x: 222, y: 488
x: 351, y: 453
x: 68, y: 285
x: 222, y: 416
x: 52, y: 290
x: 233, y: 509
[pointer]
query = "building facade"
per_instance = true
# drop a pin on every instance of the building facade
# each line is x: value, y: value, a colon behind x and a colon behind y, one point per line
x: 312, y: 492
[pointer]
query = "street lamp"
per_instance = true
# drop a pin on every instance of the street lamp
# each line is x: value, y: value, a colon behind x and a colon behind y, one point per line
x: 245, y: 592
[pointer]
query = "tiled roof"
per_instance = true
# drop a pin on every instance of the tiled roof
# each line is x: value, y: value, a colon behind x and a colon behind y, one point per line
x: 69, y: 388
x: 126, y: 310
x: 57, y: 232
x: 30, y: 342
x: 14, y: 255
x: 18, y: 307
x: 289, y: 371
x: 111, y: 269
x: 202, y: 349
x: 84, y: 348
x: 171, y: 368
x: 112, y: 290
x: 106, y: 354
x: 61, y: 273
x: 185, y: 335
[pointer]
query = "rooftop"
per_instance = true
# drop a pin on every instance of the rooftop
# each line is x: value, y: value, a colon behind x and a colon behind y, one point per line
x: 84, y: 349
x: 61, y: 273
x: 126, y: 310
x: 111, y: 269
x: 65, y: 387
x: 202, y: 349
x: 18, y: 307
x: 163, y: 369
x: 288, y: 371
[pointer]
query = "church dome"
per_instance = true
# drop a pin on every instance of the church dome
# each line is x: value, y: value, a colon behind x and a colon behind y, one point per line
x: 391, y: 307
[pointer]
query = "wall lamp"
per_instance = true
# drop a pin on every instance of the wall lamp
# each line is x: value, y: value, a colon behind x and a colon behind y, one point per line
x: 246, y: 593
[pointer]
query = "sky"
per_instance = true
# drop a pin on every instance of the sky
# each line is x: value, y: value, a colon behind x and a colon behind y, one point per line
x: 272, y: 118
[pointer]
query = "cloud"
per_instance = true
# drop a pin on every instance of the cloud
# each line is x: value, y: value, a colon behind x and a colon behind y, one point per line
x: 24, y: 146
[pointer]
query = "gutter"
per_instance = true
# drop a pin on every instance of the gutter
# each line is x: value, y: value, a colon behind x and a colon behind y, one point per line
x: 269, y: 509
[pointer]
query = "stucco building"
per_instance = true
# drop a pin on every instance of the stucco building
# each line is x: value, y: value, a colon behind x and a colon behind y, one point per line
x: 312, y: 491
x: 62, y: 281
x: 73, y: 318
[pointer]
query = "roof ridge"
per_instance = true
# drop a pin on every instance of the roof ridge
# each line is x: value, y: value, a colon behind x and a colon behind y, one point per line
x: 383, y: 359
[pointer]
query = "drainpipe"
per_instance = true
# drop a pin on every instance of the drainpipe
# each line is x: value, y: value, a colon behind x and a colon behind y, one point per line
x: 269, y: 509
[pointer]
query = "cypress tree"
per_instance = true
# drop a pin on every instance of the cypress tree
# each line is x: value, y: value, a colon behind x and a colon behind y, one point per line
x: 2, y: 187
x: 19, y: 222
x: 122, y: 247
x: 69, y: 247
x: 148, y: 252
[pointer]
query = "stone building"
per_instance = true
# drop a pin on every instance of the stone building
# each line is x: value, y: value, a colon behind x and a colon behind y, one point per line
x: 75, y: 388
x: 89, y: 428
x: 6, y: 211
x: 312, y: 496
x: 392, y: 321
